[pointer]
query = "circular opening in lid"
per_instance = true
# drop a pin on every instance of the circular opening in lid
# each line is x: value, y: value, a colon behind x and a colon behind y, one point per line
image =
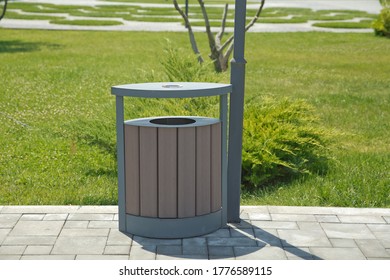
x: 172, y: 86
x: 173, y: 121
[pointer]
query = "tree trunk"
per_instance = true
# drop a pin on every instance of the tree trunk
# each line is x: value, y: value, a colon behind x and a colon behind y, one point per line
x: 218, y: 55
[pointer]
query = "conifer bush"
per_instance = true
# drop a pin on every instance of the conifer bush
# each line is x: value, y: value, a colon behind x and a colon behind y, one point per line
x: 382, y: 24
x: 281, y: 139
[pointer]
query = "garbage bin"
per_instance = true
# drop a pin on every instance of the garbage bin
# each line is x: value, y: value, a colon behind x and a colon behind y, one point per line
x: 171, y: 169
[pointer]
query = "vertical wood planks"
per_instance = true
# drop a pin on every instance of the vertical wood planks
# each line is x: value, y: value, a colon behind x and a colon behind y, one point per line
x: 203, y: 149
x: 132, y: 169
x: 216, y: 167
x: 167, y: 172
x: 173, y: 172
x: 186, y: 172
x: 148, y: 171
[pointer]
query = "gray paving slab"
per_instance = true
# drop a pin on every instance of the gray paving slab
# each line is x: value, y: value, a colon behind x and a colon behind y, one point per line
x: 103, y: 224
x: 259, y: 216
x: 32, y: 217
x: 232, y: 241
x: 76, y: 224
x: 379, y: 228
x: 9, y: 220
x: 245, y: 232
x: 328, y: 210
x: 244, y: 216
x: 3, y: 234
x: 29, y: 240
x: 181, y: 257
x: 293, y: 217
x: 362, y: 219
x: 299, y: 253
x: 12, y: 249
x: 219, y: 233
x: 218, y: 251
x: 143, y: 241
x: 327, y: 218
x: 37, y: 228
x: 267, y: 237
x: 347, y: 231
x: 55, y: 217
x: 38, y: 250
x: 97, y: 210
x: 275, y: 224
x: 241, y: 225
x: 256, y: 253
x: 372, y: 248
x: 309, y: 225
x: 116, y: 237
x: 10, y: 257
x: 79, y: 245
x: 343, y: 243
x: 83, y: 232
x: 147, y: 252
x: 338, y: 253
x: 117, y: 250
x: 195, y: 246
x: 39, y: 209
x: 175, y: 250
x: 90, y: 217
x: 101, y: 257
x: 48, y: 257
x: 384, y: 238
x: 302, y: 238
x: 295, y: 236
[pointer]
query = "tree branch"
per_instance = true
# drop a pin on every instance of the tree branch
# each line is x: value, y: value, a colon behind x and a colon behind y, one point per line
x: 221, y: 32
x: 225, y: 57
x: 249, y: 25
x: 190, y: 32
x: 256, y: 17
x: 208, y: 28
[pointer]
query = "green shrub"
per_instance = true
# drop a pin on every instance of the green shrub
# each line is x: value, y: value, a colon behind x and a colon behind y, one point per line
x: 281, y: 139
x: 181, y: 65
x: 382, y: 24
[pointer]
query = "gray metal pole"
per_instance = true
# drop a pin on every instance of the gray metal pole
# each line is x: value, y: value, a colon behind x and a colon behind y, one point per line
x: 237, y: 79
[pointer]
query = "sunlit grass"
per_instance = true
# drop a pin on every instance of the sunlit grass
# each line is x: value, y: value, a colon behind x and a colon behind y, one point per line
x: 57, y: 138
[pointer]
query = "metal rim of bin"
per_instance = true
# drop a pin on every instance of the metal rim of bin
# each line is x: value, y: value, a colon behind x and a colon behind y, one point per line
x: 170, y: 90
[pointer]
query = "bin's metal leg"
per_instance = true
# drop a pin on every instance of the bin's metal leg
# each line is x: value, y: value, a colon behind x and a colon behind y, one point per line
x: 223, y: 104
x: 121, y: 163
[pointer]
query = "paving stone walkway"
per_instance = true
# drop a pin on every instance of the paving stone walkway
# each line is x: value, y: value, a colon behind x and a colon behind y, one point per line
x: 265, y: 233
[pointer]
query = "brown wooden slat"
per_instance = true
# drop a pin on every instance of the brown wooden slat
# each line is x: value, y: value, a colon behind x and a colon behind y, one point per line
x: 148, y: 172
x: 216, y: 168
x: 186, y: 172
x: 132, y: 169
x: 203, y: 184
x: 167, y: 172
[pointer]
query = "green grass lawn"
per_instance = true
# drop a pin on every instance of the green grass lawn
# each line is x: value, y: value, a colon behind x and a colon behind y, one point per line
x: 57, y: 133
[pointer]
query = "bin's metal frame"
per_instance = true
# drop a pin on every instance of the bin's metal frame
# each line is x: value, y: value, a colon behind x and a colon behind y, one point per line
x: 186, y: 227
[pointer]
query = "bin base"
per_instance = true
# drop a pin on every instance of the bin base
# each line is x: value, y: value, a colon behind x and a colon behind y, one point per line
x: 172, y: 228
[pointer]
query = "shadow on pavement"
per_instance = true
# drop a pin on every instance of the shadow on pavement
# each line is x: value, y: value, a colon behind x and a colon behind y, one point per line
x: 240, y: 241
